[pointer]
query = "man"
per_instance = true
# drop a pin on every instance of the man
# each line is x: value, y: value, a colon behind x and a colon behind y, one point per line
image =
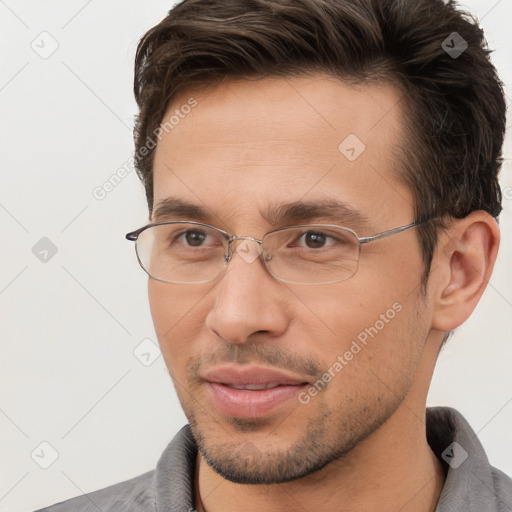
x: 322, y: 182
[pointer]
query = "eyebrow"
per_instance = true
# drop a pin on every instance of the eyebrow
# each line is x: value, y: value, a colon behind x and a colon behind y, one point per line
x: 172, y: 207
x: 329, y: 210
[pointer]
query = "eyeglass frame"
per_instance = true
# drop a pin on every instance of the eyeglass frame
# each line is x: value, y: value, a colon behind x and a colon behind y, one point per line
x: 133, y: 236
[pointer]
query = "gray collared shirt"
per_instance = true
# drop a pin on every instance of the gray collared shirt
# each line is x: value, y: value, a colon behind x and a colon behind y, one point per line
x: 472, y: 484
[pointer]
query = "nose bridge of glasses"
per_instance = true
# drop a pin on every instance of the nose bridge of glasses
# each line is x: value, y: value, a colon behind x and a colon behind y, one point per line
x: 248, y: 251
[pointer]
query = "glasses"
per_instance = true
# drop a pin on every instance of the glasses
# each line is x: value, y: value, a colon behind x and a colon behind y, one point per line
x: 186, y: 252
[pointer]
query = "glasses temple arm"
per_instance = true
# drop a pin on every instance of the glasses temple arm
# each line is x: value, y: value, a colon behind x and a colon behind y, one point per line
x: 389, y: 232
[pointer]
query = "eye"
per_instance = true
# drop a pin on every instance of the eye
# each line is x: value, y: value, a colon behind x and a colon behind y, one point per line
x: 314, y: 240
x: 194, y: 237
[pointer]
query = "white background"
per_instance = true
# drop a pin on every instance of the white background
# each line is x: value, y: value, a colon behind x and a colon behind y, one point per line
x: 69, y: 326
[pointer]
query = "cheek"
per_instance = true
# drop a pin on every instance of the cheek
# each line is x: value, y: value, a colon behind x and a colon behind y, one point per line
x: 178, y: 314
x: 344, y: 310
x: 365, y: 331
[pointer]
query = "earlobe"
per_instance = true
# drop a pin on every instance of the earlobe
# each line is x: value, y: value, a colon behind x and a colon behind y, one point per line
x: 464, y: 262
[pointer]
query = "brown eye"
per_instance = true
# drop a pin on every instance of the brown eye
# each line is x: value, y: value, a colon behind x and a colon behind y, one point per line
x: 195, y: 238
x: 314, y: 240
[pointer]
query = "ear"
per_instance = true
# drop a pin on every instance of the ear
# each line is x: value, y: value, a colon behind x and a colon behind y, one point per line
x: 463, y: 265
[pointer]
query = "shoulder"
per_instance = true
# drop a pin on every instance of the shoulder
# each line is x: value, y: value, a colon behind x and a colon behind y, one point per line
x: 136, y: 494
x: 502, y: 490
x: 171, y: 485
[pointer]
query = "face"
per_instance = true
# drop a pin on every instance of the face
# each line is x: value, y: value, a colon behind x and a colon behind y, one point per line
x: 278, y: 380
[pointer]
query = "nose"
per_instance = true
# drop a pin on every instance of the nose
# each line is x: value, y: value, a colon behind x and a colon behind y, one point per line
x: 248, y: 300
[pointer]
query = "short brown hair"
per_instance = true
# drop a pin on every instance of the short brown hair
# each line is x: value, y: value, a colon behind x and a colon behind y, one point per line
x: 455, y: 104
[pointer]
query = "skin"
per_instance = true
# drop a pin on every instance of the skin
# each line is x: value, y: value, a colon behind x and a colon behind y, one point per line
x: 360, y: 444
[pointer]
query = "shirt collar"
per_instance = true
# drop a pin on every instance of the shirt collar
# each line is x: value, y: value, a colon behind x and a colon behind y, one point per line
x: 469, y: 484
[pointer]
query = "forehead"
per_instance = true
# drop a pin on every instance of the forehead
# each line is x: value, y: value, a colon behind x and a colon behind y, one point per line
x: 275, y: 140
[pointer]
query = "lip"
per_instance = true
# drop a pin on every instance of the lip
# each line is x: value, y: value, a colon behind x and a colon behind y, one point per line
x: 244, y: 403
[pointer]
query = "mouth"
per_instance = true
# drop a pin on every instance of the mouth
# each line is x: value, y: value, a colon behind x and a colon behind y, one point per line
x: 252, y: 387
x: 251, y: 392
